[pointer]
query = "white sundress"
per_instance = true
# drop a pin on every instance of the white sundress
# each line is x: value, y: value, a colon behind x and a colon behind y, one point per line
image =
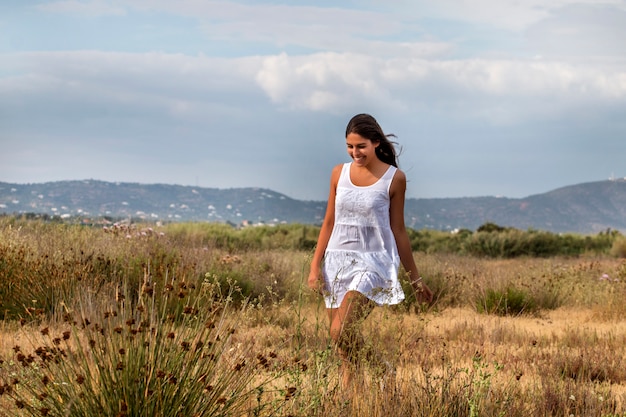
x: 362, y: 254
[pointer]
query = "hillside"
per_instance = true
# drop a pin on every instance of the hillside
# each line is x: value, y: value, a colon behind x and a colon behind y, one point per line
x: 583, y: 208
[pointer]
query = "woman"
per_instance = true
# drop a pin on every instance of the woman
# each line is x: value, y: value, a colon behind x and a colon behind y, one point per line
x: 363, y: 239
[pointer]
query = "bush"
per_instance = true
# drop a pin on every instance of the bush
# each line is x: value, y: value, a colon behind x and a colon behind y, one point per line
x: 618, y: 249
x: 509, y: 302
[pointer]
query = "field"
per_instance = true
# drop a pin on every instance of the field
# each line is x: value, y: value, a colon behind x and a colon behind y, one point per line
x: 199, y: 320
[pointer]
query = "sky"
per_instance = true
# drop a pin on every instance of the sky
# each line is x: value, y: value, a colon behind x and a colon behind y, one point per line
x: 486, y: 97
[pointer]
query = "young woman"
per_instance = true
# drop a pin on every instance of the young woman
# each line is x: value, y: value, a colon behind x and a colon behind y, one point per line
x: 363, y: 239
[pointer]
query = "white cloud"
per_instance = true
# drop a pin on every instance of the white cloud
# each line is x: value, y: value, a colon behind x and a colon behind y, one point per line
x: 326, y: 82
x: 334, y: 82
x: 190, y: 87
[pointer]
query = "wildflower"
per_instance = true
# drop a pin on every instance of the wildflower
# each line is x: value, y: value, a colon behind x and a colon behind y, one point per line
x: 572, y: 397
x: 290, y: 392
x: 66, y: 335
x: 148, y: 290
x: 122, y: 351
x: 119, y: 366
x: 80, y: 379
x: 240, y: 365
x: 45, y: 331
x: 263, y: 361
x: 117, y: 330
x: 44, y: 411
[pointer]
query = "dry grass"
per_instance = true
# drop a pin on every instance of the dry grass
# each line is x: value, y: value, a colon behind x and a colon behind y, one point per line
x: 565, y: 357
x: 564, y: 361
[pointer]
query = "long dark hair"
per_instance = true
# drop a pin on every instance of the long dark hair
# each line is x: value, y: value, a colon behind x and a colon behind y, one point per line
x: 366, y: 126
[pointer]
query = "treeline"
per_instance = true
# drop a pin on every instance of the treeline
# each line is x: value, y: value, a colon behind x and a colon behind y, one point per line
x: 489, y: 240
x: 493, y: 241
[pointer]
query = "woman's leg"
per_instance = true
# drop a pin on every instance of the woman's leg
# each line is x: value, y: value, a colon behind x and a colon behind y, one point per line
x: 345, y: 333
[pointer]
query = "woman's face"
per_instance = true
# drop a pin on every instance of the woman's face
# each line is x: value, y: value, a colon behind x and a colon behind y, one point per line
x: 361, y: 150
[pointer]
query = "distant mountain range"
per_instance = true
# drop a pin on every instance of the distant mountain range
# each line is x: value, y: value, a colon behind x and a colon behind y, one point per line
x: 584, y: 208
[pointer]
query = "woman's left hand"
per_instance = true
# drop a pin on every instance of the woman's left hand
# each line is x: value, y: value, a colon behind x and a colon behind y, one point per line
x: 423, y: 294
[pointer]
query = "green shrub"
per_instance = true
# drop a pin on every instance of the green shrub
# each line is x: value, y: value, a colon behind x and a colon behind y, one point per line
x: 618, y: 248
x: 508, y: 302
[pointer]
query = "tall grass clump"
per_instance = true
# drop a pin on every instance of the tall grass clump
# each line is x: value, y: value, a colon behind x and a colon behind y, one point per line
x: 140, y: 359
x: 509, y: 301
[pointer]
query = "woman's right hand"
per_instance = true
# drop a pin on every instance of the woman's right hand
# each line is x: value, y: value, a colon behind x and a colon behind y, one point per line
x: 315, y: 281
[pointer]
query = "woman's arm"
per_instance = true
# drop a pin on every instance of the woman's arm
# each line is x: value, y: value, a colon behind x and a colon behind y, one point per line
x: 315, y: 274
x: 396, y: 216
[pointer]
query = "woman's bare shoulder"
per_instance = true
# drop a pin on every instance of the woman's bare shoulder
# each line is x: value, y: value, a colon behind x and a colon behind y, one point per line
x: 336, y: 172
